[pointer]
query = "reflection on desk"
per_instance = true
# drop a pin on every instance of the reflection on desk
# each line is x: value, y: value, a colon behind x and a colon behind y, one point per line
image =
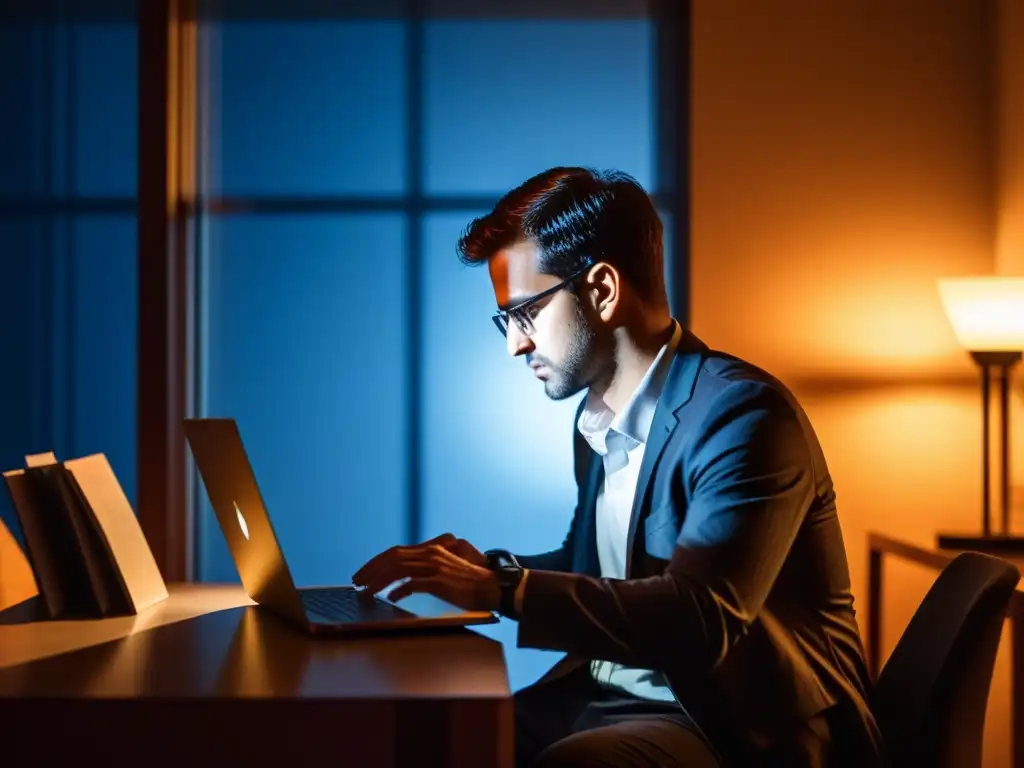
x: 25, y: 636
x: 202, y: 660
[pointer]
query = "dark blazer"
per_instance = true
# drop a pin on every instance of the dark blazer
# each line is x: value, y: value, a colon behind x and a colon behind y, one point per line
x: 737, y: 582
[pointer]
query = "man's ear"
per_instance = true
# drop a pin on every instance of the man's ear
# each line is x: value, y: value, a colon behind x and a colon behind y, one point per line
x: 603, y: 289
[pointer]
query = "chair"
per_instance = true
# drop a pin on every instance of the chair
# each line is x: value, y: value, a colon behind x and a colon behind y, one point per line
x: 930, y: 697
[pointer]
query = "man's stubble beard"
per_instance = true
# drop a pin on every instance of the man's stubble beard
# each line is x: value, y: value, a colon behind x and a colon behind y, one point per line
x: 581, y: 363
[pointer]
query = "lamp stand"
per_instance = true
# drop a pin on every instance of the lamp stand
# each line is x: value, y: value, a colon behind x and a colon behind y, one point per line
x: 1003, y: 542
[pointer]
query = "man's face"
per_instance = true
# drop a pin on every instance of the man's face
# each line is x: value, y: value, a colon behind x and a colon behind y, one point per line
x: 563, y: 348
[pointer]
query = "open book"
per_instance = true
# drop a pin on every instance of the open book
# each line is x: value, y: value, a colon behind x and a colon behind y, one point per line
x: 87, y: 550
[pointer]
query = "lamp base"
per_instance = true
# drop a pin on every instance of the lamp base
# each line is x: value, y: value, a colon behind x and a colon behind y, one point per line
x: 994, y: 544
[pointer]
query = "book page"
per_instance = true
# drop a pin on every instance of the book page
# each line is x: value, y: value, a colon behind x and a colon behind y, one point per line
x: 40, y: 459
x: 120, y: 529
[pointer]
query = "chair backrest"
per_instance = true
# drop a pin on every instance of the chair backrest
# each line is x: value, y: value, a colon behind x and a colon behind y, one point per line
x: 930, y: 697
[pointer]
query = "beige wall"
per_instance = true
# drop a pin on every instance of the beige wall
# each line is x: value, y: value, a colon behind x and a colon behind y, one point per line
x: 1010, y: 111
x: 844, y: 157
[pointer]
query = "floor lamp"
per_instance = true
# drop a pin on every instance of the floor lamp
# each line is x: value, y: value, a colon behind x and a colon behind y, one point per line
x: 987, y: 315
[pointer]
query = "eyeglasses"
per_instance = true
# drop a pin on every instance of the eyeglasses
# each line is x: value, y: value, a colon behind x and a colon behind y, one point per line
x: 523, y: 313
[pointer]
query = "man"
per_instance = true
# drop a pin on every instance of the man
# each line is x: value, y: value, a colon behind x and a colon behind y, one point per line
x: 702, y: 594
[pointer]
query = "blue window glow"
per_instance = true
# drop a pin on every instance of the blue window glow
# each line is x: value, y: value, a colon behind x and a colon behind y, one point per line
x: 305, y: 350
x: 105, y: 333
x: 506, y: 99
x: 309, y: 108
x: 106, y: 136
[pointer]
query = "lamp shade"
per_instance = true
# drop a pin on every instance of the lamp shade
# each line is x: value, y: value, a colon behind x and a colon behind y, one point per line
x: 987, y: 313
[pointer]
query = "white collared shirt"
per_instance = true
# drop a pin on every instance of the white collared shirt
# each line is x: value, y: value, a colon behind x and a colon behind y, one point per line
x: 620, y: 440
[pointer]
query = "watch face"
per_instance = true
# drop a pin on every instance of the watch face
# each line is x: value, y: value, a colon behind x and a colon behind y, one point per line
x: 509, y: 575
x: 499, y: 557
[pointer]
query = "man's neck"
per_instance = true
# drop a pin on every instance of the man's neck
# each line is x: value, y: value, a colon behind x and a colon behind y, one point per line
x: 634, y: 355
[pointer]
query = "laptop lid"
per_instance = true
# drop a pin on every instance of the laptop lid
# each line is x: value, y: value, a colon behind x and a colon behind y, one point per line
x: 238, y: 504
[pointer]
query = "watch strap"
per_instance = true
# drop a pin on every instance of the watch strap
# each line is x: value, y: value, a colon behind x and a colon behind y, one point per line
x: 510, y: 574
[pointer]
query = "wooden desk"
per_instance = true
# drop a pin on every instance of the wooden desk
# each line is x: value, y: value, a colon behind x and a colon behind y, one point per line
x: 879, y: 545
x: 206, y: 678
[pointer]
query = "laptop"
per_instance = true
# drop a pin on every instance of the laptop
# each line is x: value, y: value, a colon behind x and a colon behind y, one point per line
x: 236, y: 500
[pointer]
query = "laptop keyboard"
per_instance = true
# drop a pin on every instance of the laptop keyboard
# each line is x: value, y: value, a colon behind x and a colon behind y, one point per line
x: 346, y: 606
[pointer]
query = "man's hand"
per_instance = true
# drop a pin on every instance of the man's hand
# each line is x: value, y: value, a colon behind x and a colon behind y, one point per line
x: 447, y: 567
x: 460, y: 548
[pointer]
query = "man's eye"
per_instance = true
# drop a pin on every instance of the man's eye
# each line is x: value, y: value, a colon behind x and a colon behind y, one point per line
x: 522, y: 315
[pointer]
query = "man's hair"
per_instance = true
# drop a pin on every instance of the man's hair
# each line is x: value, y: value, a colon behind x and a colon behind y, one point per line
x: 576, y: 216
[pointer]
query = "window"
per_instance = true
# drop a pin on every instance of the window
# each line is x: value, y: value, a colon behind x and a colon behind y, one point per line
x: 67, y: 223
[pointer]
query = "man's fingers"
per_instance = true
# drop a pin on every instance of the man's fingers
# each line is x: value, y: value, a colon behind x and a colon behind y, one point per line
x: 369, y: 570
x: 403, y: 570
x: 459, y: 547
x: 381, y: 563
x: 445, y: 540
x: 396, y: 560
x: 375, y: 564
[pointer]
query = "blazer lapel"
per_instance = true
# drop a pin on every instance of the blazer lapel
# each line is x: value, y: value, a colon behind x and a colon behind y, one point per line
x: 678, y: 390
x: 595, y: 476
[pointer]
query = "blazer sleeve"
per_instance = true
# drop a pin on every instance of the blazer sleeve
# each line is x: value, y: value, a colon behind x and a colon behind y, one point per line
x: 561, y: 559
x: 749, y: 480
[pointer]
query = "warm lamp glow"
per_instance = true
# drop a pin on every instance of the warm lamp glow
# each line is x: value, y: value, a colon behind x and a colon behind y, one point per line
x: 987, y: 313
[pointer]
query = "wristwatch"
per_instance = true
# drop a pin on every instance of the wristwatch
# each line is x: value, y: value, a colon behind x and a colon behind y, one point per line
x: 509, y: 573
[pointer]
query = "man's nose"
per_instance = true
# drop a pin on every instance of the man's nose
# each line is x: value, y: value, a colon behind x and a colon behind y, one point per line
x: 517, y: 342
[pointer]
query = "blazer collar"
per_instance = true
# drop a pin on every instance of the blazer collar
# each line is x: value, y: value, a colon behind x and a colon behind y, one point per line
x: 682, y: 376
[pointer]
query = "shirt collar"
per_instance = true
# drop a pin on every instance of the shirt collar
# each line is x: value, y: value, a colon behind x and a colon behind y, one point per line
x: 634, y: 421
